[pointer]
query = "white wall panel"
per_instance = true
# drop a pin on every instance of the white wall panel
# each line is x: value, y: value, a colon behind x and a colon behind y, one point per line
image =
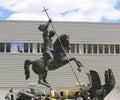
x: 11, y: 64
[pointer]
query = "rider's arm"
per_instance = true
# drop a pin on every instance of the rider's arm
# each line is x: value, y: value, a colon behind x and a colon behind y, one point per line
x: 48, y: 23
x: 44, y: 27
x: 45, y: 32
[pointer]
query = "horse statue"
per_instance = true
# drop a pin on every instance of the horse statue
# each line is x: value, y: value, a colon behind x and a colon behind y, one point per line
x: 60, y: 47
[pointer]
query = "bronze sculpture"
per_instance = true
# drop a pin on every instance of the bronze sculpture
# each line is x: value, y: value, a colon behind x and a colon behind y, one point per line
x: 58, y: 61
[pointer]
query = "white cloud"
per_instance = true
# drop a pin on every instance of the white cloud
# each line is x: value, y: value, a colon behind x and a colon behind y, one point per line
x: 26, y: 16
x: 88, y: 10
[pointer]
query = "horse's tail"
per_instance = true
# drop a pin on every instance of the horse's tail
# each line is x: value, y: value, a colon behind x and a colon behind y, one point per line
x: 26, y: 68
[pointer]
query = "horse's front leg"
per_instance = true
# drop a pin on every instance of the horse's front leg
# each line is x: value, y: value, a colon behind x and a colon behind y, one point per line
x: 42, y: 80
x: 45, y: 84
x: 78, y: 63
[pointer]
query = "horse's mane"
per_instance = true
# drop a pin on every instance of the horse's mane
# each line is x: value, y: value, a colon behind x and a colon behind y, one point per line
x: 58, y: 40
x: 56, y: 44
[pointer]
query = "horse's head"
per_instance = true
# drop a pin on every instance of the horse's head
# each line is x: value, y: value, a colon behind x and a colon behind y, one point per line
x: 65, y: 41
x: 62, y: 42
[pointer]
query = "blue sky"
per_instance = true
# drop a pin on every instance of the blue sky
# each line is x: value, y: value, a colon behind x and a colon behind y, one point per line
x: 69, y: 11
x: 105, y: 20
x: 117, y: 5
x: 59, y: 10
x: 5, y: 13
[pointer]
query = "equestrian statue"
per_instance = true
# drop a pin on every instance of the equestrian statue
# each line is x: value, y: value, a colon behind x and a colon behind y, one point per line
x: 52, y: 59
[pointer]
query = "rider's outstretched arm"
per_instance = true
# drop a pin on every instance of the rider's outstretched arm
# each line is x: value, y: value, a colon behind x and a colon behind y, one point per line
x: 48, y: 23
x: 44, y: 27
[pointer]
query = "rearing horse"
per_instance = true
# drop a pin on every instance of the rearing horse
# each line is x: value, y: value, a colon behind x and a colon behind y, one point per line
x: 60, y: 46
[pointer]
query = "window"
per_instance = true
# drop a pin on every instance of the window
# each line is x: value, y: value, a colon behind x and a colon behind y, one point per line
x: 106, y: 49
x: 77, y: 48
x: 112, y: 49
x: 31, y: 47
x: 2, y: 47
x: 89, y: 48
x: 38, y: 47
x: 8, y: 47
x: 25, y: 47
x: 100, y: 48
x: 20, y: 47
x: 14, y: 47
x: 72, y: 48
x: 84, y: 48
x: 117, y: 49
x: 94, y: 48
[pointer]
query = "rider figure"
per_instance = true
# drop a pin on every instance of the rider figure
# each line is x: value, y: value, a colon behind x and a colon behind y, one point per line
x: 47, y: 46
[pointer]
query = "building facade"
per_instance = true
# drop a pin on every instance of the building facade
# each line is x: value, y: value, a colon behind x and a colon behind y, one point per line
x: 96, y: 45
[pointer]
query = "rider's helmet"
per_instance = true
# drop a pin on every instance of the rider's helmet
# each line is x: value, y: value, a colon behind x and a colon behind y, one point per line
x: 42, y: 27
x: 51, y: 33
